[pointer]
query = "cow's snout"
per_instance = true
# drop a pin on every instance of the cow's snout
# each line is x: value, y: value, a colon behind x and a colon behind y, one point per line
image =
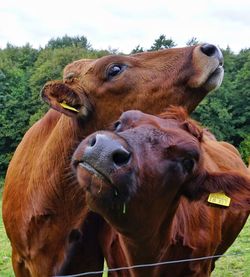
x: 105, y: 153
x: 212, y: 51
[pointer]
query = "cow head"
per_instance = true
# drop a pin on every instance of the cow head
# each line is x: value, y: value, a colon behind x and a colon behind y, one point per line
x: 147, y: 81
x: 140, y: 169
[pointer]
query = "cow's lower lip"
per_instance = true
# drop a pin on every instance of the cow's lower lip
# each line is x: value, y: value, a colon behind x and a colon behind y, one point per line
x: 105, y: 181
x: 117, y: 191
x: 95, y: 172
x: 218, y: 69
x: 215, y: 79
x: 216, y: 72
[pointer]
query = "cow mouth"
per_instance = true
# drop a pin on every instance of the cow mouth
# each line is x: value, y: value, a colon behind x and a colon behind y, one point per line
x: 215, y: 79
x: 98, y: 184
x: 70, y: 107
x: 73, y: 108
x: 217, y: 72
x: 117, y: 186
x: 95, y: 172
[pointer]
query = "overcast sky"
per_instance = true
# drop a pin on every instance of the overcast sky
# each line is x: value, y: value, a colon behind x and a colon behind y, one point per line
x: 125, y: 24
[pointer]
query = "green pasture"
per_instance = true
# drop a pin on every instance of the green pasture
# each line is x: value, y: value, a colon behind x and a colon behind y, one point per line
x: 231, y: 266
x: 5, y: 253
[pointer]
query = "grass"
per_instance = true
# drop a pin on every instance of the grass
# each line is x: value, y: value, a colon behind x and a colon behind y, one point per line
x: 238, y: 265
x: 5, y: 252
x: 232, y: 266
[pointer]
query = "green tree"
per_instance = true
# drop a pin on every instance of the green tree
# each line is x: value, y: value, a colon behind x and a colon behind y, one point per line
x: 67, y: 41
x: 192, y: 41
x: 137, y: 49
x: 245, y: 149
x: 15, y: 110
x: 161, y: 43
x: 227, y: 111
x: 214, y: 111
x: 22, y: 57
x: 240, y: 100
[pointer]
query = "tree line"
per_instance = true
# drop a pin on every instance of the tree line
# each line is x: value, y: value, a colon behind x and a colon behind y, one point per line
x: 24, y: 70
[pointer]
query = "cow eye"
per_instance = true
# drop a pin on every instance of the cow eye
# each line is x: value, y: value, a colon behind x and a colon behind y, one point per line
x: 117, y: 126
x: 188, y: 164
x: 115, y: 70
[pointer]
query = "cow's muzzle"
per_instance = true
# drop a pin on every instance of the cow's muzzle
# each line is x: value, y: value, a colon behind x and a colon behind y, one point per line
x: 107, y: 158
x: 104, y: 154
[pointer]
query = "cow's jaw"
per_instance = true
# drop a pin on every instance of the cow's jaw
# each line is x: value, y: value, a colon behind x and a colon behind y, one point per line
x: 106, y: 192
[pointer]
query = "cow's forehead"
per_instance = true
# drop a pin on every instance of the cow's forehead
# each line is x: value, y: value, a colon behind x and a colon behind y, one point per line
x: 145, y: 132
x: 83, y: 65
x: 144, y: 58
x: 136, y: 118
x: 102, y: 63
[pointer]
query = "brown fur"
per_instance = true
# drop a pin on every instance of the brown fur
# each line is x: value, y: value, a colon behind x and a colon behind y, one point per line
x: 42, y: 203
x: 167, y: 216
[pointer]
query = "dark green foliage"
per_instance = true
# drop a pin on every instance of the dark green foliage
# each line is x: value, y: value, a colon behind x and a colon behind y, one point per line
x: 161, y: 43
x: 192, y: 41
x: 67, y: 41
x: 24, y: 71
x: 227, y: 111
x: 137, y: 49
x: 15, y: 70
x: 245, y: 148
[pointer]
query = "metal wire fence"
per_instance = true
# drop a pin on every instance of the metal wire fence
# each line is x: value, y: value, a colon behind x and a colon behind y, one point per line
x: 152, y: 264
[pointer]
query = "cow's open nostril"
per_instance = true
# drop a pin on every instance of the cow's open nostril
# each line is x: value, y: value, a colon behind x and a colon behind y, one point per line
x: 121, y: 157
x: 209, y: 49
x: 105, y: 153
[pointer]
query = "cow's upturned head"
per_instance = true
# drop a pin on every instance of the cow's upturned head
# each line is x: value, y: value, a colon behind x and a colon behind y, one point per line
x: 148, y: 81
x: 145, y: 156
x: 141, y: 168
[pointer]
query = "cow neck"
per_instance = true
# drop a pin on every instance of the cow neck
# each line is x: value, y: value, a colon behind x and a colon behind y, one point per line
x: 53, y: 176
x: 170, y: 241
x: 145, y: 237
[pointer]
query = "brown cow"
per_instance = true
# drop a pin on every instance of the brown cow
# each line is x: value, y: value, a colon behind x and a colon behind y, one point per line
x: 43, y: 207
x: 150, y: 180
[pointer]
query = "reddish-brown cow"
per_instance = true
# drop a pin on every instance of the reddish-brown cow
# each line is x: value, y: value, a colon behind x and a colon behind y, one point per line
x: 43, y: 207
x: 150, y: 180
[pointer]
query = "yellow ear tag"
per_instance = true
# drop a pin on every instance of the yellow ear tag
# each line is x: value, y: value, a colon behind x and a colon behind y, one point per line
x: 219, y: 198
x: 66, y: 106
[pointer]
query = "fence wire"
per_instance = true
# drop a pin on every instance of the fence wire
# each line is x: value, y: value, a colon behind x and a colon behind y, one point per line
x: 152, y: 265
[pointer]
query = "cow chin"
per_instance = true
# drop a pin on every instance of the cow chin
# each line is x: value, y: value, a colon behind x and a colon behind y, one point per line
x: 111, y: 189
x: 215, y: 79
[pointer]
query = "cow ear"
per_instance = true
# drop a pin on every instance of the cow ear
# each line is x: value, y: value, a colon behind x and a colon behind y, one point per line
x: 66, y: 98
x: 231, y: 186
x: 188, y: 124
x: 193, y: 128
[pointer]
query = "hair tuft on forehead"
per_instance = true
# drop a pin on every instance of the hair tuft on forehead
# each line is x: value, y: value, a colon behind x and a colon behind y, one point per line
x: 180, y: 114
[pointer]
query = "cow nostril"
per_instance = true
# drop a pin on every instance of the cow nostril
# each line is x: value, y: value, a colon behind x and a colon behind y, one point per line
x: 121, y: 157
x: 92, y: 141
x: 209, y: 49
